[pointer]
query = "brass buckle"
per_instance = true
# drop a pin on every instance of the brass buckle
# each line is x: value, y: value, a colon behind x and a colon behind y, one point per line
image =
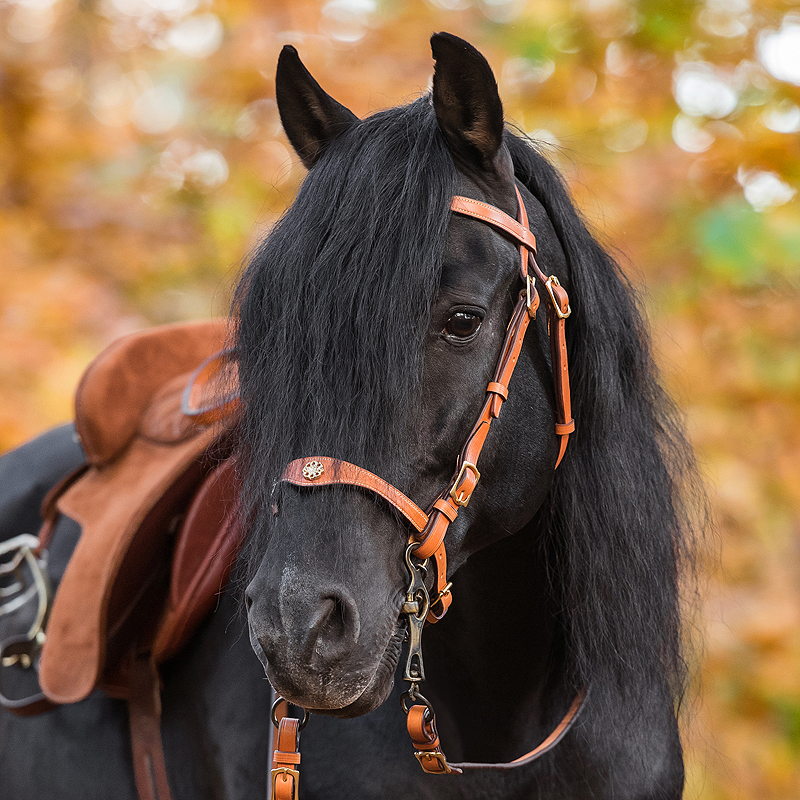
x: 424, y: 757
x: 463, y: 499
x: 295, y: 775
x: 559, y: 313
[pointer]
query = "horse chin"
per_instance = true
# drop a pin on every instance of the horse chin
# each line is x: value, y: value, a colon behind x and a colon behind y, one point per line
x: 375, y: 692
x: 379, y: 687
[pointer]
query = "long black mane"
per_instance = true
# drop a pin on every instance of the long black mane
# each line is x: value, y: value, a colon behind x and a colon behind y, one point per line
x: 322, y: 371
x: 334, y: 305
x: 627, y: 504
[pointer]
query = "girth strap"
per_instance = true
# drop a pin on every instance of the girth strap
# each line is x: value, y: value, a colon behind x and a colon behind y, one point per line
x: 144, y: 713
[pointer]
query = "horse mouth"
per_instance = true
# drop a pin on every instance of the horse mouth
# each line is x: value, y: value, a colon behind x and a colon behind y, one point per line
x: 379, y: 686
x: 377, y: 689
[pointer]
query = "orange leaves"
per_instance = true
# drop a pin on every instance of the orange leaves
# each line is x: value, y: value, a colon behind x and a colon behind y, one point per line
x: 141, y: 158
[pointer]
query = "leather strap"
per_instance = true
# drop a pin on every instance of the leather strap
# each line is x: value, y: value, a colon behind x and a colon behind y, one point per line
x: 144, y: 712
x: 421, y: 726
x: 558, y: 307
x: 285, y: 774
x: 317, y: 471
x: 518, y: 230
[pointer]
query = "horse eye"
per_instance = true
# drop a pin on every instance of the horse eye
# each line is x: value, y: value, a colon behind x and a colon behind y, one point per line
x: 462, y: 325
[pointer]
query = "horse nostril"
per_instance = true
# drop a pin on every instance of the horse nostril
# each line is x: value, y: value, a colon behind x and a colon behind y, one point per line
x: 335, y: 628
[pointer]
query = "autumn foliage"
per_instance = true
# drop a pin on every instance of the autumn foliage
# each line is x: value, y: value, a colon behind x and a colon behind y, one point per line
x: 141, y: 157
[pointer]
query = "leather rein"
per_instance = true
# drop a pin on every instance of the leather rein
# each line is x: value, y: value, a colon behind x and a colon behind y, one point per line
x: 426, y: 543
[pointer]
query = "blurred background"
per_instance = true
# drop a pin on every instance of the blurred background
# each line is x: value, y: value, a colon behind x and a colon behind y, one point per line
x: 141, y: 157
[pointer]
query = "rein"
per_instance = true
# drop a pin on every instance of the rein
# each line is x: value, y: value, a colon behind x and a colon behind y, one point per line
x: 427, y: 541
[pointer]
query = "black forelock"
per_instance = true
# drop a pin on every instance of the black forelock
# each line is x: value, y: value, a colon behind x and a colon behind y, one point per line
x: 332, y: 309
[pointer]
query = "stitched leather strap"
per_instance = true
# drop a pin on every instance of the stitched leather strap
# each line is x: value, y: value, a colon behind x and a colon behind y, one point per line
x: 285, y: 774
x: 421, y: 726
x: 558, y: 309
x: 303, y: 472
x: 518, y: 230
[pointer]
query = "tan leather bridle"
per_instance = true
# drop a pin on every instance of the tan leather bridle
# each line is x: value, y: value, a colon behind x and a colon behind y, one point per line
x: 427, y: 540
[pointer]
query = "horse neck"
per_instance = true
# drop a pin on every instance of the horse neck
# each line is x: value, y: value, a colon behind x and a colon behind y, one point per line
x: 495, y: 664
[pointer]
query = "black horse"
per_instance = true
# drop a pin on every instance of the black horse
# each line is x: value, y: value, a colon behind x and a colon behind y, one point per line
x: 367, y: 326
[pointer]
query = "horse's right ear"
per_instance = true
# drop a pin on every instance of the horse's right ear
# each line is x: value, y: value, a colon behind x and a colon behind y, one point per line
x: 466, y: 101
x: 310, y: 116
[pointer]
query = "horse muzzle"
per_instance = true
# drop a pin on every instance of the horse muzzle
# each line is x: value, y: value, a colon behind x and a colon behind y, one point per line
x: 317, y: 651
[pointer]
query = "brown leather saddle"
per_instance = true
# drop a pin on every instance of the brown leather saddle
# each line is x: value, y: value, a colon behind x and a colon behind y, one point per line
x: 156, y: 503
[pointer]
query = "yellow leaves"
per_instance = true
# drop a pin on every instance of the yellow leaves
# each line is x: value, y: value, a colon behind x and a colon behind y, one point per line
x: 141, y: 158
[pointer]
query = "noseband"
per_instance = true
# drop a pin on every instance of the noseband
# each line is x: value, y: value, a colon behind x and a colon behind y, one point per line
x: 430, y: 526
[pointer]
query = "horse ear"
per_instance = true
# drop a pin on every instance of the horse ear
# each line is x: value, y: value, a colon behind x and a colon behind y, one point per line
x: 310, y: 116
x: 466, y: 101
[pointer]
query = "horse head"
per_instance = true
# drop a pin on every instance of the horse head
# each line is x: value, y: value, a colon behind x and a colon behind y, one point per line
x: 380, y: 354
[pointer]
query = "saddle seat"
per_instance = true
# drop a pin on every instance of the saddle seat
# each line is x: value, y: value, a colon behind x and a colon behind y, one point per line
x: 156, y: 505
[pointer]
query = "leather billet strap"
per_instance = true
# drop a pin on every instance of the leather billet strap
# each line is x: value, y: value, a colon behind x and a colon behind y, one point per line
x: 144, y: 715
x: 421, y: 726
x: 285, y: 773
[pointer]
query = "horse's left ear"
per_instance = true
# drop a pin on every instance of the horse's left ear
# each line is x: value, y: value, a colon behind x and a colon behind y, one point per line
x: 309, y: 115
x: 466, y: 101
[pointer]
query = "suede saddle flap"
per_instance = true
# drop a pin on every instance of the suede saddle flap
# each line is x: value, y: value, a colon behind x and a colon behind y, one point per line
x: 148, y: 459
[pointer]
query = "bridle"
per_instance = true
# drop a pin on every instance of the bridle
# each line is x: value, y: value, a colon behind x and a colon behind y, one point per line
x: 430, y: 527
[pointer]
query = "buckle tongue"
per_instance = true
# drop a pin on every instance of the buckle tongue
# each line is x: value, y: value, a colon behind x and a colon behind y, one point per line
x: 461, y: 498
